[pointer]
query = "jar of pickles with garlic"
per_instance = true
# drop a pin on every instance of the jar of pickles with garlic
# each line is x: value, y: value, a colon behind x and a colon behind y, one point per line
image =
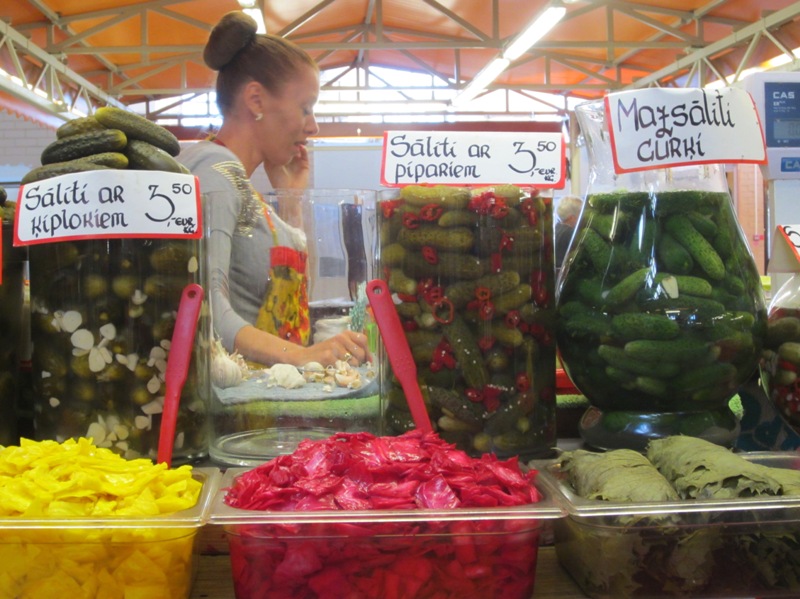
x: 102, y: 318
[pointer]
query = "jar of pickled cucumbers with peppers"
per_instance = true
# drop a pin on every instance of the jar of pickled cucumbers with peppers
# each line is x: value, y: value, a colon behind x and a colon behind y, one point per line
x: 102, y: 317
x: 471, y: 271
x: 780, y: 365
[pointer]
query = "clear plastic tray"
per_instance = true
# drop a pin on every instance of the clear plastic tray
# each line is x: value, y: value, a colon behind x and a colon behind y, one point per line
x: 552, y: 479
x: 710, y: 548
x: 194, y: 517
x: 448, y: 554
x: 112, y: 556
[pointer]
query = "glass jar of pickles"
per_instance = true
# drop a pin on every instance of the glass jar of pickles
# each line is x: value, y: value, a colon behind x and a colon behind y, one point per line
x: 661, y: 309
x: 781, y: 358
x: 471, y: 271
x: 11, y: 323
x: 102, y: 317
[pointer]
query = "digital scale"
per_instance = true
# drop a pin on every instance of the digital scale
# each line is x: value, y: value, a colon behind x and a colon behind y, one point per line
x: 777, y: 99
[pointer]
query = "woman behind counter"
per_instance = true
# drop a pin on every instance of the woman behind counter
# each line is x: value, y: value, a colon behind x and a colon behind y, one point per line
x: 266, y: 91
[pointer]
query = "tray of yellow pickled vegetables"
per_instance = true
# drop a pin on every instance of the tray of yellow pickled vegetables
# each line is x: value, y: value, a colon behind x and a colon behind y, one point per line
x: 80, y: 521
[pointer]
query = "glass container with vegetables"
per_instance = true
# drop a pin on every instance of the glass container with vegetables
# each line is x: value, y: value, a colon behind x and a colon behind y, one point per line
x: 472, y: 274
x: 781, y: 358
x: 114, y: 228
x: 103, y: 313
x: 11, y: 323
x: 258, y: 410
x: 661, y: 310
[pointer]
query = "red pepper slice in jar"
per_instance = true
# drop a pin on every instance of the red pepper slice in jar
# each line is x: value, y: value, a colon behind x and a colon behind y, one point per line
x: 486, y: 310
x: 529, y: 210
x: 483, y: 294
x: 486, y: 342
x: 389, y: 207
x: 512, y: 319
x: 506, y: 242
x: 474, y: 395
x: 411, y: 220
x: 444, y: 311
x: 430, y: 255
x: 434, y: 294
x: 431, y: 212
x: 424, y: 285
x: 499, y: 209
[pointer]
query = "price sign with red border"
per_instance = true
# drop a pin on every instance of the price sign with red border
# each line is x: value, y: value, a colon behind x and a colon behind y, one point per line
x: 657, y: 128
x: 108, y: 204
x: 534, y: 159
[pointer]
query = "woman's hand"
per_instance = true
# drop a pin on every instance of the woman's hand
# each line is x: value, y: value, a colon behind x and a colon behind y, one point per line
x: 265, y: 348
x: 294, y: 175
x: 347, y: 346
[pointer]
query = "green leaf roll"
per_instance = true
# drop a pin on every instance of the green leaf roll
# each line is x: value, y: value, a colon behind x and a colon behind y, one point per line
x: 699, y: 469
x: 620, y: 475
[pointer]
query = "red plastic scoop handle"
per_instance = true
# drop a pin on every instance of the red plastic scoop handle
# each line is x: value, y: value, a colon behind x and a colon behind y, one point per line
x: 394, y: 339
x: 180, y: 354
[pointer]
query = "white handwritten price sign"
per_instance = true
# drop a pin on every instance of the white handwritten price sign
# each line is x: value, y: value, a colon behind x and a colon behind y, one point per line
x: 785, y: 249
x: 655, y: 128
x: 533, y: 159
x: 108, y: 204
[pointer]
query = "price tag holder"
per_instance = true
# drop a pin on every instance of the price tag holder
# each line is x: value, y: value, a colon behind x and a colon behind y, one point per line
x: 657, y: 128
x: 785, y: 249
x: 108, y: 204
x: 535, y: 159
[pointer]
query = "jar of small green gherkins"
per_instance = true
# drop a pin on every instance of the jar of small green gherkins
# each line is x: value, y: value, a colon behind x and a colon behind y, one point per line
x: 661, y: 313
x: 471, y: 271
x: 11, y: 323
x: 102, y: 317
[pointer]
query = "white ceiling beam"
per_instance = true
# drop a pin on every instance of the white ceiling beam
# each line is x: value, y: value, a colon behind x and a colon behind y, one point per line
x: 735, y: 39
x: 47, y: 92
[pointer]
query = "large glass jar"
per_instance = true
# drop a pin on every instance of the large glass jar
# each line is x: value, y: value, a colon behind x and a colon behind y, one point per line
x: 661, y: 310
x: 260, y: 411
x: 102, y: 316
x: 473, y: 277
x: 781, y: 359
x: 11, y: 323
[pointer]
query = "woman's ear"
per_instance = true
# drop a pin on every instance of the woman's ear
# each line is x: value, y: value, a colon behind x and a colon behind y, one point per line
x: 254, y: 100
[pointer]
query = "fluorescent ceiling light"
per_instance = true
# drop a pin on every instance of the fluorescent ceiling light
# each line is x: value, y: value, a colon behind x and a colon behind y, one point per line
x: 782, y: 59
x: 540, y: 27
x: 247, y: 3
x: 259, y: 18
x: 481, y: 80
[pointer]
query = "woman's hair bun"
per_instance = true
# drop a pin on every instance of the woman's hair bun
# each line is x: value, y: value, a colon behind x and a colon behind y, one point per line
x: 233, y: 32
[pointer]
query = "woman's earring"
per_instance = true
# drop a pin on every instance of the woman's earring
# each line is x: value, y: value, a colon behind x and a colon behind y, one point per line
x: 259, y: 116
